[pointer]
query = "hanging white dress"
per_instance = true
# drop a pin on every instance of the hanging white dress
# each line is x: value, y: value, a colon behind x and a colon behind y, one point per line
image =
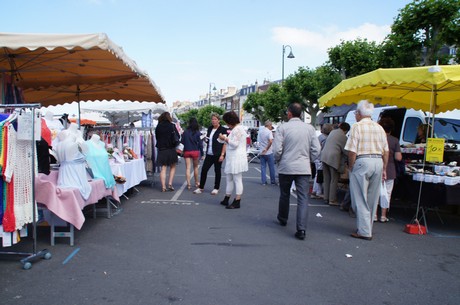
x: 72, y: 169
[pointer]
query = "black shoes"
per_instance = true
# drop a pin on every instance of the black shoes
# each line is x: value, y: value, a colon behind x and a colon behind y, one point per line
x: 235, y: 204
x: 225, y: 201
x: 282, y: 222
x: 300, y: 234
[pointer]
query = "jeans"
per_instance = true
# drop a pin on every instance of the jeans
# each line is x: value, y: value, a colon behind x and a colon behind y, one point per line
x: 209, y: 161
x: 264, y: 159
x: 301, y: 184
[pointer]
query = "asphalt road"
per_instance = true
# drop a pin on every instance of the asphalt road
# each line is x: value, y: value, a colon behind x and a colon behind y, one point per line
x: 182, y: 248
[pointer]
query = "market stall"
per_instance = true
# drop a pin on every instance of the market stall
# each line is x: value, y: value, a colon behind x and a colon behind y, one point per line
x: 60, y: 68
x: 433, y: 89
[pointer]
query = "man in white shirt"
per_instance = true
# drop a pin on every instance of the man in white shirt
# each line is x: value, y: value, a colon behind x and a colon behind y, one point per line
x: 266, y: 154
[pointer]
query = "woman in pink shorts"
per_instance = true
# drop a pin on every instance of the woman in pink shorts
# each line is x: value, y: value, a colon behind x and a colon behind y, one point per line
x: 193, y: 149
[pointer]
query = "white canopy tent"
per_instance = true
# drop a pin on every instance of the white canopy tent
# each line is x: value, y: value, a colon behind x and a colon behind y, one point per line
x: 120, y: 113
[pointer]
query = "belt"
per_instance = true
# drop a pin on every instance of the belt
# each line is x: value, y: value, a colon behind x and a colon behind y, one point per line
x: 369, y: 156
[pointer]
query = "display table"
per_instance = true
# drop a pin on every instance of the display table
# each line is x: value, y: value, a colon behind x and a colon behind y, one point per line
x: 433, y: 194
x: 133, y: 171
x: 67, y: 203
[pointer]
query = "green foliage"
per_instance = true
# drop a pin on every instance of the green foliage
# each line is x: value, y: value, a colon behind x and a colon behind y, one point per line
x: 352, y: 58
x: 269, y: 105
x: 254, y: 104
x: 307, y: 86
x: 185, y: 117
x: 204, y: 114
x: 423, y: 26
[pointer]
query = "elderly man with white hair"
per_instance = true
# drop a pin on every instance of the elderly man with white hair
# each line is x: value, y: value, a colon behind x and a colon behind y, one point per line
x: 368, y: 151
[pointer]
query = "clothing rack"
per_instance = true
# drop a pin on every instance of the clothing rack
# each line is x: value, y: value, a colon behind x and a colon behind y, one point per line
x: 150, y: 167
x: 34, y: 255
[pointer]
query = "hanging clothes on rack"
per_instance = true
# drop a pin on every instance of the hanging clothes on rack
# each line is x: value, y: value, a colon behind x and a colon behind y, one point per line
x: 17, y: 174
x: 98, y: 160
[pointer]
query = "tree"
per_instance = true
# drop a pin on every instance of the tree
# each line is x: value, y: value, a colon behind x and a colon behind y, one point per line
x: 254, y: 104
x: 419, y: 32
x: 185, y: 117
x: 204, y: 114
x: 307, y: 86
x: 352, y: 58
x: 268, y: 105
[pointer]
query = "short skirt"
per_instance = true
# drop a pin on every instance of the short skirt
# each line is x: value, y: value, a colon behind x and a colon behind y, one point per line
x: 194, y: 154
x: 167, y: 157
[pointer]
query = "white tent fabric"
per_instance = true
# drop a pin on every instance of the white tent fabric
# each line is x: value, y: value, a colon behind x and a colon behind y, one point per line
x: 122, y: 112
x: 59, y: 68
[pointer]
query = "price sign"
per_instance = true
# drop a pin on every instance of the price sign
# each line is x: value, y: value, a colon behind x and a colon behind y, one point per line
x: 434, y: 150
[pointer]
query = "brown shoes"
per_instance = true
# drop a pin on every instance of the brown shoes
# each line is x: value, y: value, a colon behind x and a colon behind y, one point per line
x: 356, y: 235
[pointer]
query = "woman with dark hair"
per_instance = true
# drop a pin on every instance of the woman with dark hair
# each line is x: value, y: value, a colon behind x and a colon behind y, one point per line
x: 237, y: 161
x: 394, y: 156
x: 167, y: 138
x: 193, y: 149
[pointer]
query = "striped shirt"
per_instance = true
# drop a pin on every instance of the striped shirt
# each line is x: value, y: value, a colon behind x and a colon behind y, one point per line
x: 367, y: 137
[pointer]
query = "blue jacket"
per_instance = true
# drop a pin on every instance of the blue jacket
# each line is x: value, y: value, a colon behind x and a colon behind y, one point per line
x: 192, y: 141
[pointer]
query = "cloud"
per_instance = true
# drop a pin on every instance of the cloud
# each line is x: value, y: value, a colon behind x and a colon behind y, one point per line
x: 328, y: 37
x: 310, y: 47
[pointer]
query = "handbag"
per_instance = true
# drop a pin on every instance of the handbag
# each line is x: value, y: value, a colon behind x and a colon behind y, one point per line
x: 384, y: 200
x: 175, y: 139
x: 319, y: 176
x: 180, y: 149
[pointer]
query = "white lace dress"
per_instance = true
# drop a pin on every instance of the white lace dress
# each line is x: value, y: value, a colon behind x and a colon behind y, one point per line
x: 19, y: 170
x: 236, y: 160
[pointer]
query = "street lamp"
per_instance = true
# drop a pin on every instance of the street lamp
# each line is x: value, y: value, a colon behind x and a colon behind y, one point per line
x: 214, y: 89
x: 289, y: 56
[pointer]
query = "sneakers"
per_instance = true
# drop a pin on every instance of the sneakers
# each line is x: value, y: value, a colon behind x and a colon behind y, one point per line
x: 198, y: 191
x: 214, y: 192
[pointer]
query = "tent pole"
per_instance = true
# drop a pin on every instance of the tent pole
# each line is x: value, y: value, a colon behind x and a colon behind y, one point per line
x: 78, y: 103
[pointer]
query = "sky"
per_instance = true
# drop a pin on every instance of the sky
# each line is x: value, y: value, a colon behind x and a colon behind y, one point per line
x: 186, y: 46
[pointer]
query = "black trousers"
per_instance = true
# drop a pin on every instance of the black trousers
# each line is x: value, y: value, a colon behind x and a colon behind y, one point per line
x: 209, y: 161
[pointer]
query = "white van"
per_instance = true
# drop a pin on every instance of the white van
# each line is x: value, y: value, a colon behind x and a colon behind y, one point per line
x: 406, y: 121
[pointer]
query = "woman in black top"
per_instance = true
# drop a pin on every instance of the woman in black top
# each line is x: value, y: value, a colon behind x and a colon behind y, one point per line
x: 166, y: 135
x: 215, y: 154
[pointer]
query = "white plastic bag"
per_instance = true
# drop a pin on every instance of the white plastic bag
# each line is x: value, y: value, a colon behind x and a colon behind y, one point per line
x: 384, y: 200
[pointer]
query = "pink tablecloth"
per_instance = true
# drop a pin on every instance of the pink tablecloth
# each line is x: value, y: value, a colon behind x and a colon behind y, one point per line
x: 67, y: 203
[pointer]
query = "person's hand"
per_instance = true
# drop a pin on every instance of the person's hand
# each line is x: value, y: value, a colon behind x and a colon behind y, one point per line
x: 222, y: 137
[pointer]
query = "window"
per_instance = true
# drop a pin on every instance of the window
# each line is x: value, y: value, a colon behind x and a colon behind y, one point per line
x: 410, y: 129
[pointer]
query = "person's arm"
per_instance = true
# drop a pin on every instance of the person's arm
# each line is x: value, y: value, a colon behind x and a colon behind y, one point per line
x: 268, y: 147
x: 385, y: 162
x: 222, y: 154
x: 352, y: 159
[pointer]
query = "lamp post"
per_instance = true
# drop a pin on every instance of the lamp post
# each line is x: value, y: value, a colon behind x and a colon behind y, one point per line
x: 214, y: 89
x: 289, y: 56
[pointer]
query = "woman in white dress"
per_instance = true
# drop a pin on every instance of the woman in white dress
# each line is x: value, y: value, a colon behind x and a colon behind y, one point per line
x: 236, y: 159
